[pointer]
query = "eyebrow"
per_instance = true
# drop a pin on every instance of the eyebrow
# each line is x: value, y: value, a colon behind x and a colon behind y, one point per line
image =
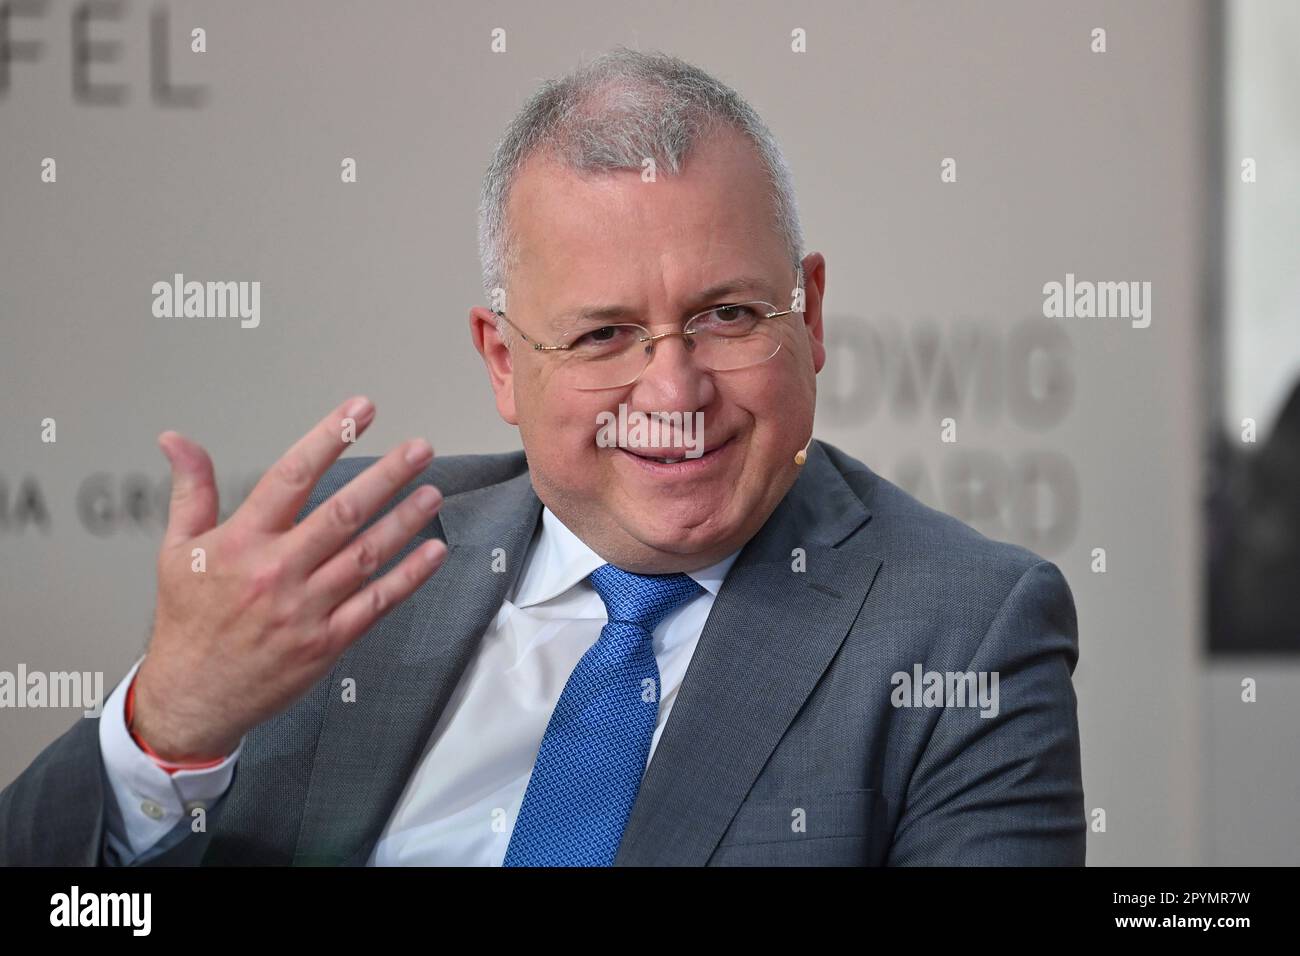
x: 701, y: 300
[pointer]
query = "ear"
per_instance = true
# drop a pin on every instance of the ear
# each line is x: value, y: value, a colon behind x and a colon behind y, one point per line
x: 814, y: 284
x: 496, y: 356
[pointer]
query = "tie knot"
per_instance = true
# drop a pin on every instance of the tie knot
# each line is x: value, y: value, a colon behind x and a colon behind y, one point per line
x: 641, y: 599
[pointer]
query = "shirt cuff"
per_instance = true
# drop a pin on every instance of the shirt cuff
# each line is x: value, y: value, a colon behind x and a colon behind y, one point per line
x: 153, y: 801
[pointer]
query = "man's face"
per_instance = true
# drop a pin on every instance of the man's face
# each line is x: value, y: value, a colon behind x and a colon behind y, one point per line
x: 652, y: 248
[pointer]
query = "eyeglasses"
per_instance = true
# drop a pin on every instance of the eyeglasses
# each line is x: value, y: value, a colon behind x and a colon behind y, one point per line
x: 723, y: 338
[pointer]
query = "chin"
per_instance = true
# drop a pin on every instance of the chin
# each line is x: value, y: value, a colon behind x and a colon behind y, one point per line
x: 692, y: 533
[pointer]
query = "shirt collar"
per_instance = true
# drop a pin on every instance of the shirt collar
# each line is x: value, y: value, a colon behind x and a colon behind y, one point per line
x: 559, y: 559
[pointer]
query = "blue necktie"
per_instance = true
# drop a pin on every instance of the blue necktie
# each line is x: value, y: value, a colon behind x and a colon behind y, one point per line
x: 589, y: 766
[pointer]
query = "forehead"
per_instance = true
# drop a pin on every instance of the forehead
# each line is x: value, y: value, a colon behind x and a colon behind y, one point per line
x: 613, y: 234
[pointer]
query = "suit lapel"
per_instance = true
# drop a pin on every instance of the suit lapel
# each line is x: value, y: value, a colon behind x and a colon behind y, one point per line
x: 770, y: 636
x: 406, y: 669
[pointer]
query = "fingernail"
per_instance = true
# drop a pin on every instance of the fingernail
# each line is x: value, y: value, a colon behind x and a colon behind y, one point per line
x: 419, y: 452
x: 427, y: 497
x: 359, y: 408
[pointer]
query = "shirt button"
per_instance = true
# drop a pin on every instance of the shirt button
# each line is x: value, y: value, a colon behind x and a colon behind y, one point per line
x: 151, y: 810
x: 193, y: 805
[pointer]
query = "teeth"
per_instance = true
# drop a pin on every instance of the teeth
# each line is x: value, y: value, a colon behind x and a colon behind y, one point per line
x: 669, y: 461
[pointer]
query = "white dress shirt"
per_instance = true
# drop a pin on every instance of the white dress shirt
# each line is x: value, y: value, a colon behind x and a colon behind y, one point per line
x: 459, y: 806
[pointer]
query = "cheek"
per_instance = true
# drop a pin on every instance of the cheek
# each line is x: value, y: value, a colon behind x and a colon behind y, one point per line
x: 780, y: 408
x: 547, y: 414
x: 559, y: 434
x: 780, y: 397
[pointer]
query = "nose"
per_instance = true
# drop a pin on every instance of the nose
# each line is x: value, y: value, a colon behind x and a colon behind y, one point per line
x: 674, y: 380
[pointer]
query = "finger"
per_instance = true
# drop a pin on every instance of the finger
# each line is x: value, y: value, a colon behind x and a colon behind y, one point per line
x: 339, y: 577
x: 358, y: 613
x: 320, y: 535
x: 193, y: 507
x: 279, y: 495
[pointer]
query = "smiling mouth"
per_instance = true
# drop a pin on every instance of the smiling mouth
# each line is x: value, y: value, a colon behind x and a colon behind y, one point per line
x: 678, y: 457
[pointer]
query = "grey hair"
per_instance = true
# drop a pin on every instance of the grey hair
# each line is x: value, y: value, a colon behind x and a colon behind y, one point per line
x: 613, y: 113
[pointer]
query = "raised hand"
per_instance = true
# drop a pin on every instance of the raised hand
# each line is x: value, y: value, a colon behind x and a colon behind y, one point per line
x: 278, y: 603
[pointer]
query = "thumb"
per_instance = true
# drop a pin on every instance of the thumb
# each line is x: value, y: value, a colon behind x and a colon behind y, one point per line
x: 193, y: 508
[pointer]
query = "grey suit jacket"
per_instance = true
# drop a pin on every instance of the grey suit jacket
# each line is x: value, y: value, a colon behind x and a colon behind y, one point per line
x: 788, y: 742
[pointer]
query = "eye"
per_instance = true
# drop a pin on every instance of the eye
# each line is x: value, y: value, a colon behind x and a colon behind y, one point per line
x: 730, y: 313
x: 604, y: 339
x: 730, y: 319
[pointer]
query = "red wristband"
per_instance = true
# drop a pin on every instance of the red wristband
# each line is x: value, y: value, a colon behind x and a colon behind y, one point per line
x: 167, y: 765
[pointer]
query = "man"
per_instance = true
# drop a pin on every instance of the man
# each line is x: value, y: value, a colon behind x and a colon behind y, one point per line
x: 694, y: 649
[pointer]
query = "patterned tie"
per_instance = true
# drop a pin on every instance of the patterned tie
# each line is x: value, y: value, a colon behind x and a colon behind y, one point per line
x: 589, y: 766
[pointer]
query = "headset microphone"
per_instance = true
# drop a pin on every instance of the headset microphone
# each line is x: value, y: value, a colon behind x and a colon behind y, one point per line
x: 802, y: 454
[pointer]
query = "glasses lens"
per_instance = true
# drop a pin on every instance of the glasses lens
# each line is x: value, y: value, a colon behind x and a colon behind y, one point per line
x: 736, y: 336
x: 605, y: 357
